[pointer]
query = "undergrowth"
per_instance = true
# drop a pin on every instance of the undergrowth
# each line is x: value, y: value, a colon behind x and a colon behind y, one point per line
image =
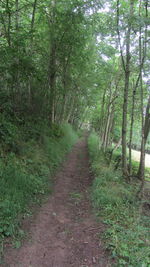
x: 25, y: 174
x: 127, y: 235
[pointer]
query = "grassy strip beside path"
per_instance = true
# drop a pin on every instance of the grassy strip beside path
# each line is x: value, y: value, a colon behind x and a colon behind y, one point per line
x: 25, y: 177
x: 127, y: 235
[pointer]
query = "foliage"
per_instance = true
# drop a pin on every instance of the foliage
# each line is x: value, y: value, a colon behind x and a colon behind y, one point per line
x: 62, y: 62
x: 8, y: 131
x: 37, y: 75
x: 127, y: 234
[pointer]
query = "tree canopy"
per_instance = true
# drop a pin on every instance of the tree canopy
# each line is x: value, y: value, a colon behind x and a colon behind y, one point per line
x: 78, y: 61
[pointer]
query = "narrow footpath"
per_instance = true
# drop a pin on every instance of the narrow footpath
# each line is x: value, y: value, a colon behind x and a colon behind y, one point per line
x: 64, y: 231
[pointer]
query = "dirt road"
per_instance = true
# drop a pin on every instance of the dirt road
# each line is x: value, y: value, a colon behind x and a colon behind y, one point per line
x: 64, y: 232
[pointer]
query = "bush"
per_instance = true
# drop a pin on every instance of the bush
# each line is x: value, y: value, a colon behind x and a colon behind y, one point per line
x: 8, y: 133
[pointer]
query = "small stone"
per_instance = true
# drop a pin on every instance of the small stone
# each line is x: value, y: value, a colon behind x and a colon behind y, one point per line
x: 94, y: 260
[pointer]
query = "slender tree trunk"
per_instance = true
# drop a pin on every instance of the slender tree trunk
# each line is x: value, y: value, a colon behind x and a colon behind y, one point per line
x: 107, y: 128
x: 52, y: 64
x: 102, y: 114
x: 108, y: 140
x: 17, y: 84
x: 33, y: 19
x: 126, y: 68
x: 107, y: 119
x: 131, y: 129
x: 70, y: 114
x: 126, y: 91
x: 52, y: 82
x: 145, y: 132
x: 7, y: 25
x: 64, y: 97
x: 31, y: 52
x: 146, y: 122
x: 63, y: 107
x: 9, y: 22
x: 115, y: 147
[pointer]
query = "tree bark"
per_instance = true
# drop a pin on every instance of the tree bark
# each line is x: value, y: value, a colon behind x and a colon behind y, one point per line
x: 145, y: 132
x: 131, y: 128
x: 146, y: 122
x: 126, y: 91
x: 52, y: 64
x: 9, y: 23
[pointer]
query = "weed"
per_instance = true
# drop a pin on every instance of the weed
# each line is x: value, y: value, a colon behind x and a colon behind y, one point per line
x: 77, y: 197
x: 127, y: 235
x: 26, y: 177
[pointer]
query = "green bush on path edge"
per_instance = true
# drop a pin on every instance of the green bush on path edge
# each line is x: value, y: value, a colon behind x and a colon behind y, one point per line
x: 128, y: 230
x: 26, y: 176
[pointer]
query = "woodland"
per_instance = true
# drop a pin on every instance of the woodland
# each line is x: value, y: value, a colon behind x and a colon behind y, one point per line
x: 66, y: 67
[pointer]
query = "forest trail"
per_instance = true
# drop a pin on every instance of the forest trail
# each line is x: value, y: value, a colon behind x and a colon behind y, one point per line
x: 64, y: 232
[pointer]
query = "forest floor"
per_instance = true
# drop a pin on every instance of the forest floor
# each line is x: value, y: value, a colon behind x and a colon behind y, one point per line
x: 64, y: 232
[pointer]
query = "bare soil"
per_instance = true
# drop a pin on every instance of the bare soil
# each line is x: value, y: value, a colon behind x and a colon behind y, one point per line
x: 64, y: 231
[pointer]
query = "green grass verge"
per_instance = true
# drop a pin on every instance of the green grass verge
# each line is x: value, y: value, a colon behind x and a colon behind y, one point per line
x: 26, y: 177
x: 127, y: 235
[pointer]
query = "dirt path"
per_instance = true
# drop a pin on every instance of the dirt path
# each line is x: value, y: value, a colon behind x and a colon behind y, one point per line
x: 64, y: 232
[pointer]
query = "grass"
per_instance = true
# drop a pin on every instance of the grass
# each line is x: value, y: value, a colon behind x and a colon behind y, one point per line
x: 127, y: 235
x: 76, y: 197
x: 135, y: 165
x: 27, y: 176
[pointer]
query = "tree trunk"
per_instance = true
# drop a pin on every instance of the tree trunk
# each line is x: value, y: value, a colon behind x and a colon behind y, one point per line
x: 102, y: 114
x: 52, y: 64
x: 17, y: 85
x: 131, y: 128
x: 33, y: 18
x: 107, y: 120
x: 145, y: 132
x: 146, y: 122
x: 126, y: 91
x: 9, y: 23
